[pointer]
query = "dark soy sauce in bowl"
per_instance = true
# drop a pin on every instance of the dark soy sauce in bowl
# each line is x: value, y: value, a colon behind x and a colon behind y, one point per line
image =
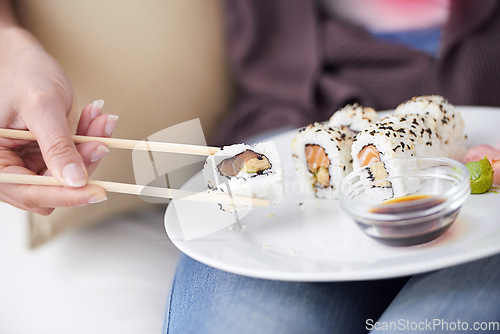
x: 409, y: 230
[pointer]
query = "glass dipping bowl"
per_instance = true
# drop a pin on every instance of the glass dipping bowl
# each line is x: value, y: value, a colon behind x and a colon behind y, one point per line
x: 406, y: 201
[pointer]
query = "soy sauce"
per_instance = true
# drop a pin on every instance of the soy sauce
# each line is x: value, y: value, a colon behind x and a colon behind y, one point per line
x: 408, y: 203
x: 409, y: 231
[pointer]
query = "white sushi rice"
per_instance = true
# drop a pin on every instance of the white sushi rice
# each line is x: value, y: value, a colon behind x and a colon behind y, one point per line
x: 266, y: 185
x: 390, y: 138
x: 337, y: 145
x: 433, y: 105
x: 446, y: 125
x: 354, y: 117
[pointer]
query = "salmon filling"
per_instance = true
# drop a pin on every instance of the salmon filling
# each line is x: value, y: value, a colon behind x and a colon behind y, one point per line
x: 369, y: 155
x: 318, y: 164
x: 248, y: 161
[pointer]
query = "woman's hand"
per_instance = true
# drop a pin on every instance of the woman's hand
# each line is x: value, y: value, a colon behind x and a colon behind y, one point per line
x: 36, y: 95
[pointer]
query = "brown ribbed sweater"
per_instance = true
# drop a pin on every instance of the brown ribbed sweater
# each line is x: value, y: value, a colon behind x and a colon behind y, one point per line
x: 292, y: 65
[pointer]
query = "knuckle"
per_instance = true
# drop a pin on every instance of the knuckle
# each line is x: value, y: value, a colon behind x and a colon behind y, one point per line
x: 47, y: 98
x: 67, y: 202
x: 31, y: 200
x: 41, y: 100
x: 58, y: 147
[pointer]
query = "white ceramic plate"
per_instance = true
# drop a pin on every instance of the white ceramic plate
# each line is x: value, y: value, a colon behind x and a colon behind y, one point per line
x: 316, y: 241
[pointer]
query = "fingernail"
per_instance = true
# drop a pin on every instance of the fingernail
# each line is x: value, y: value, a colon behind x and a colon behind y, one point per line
x: 99, y: 153
x: 97, y: 199
x: 73, y: 176
x: 96, y: 108
x: 110, y: 124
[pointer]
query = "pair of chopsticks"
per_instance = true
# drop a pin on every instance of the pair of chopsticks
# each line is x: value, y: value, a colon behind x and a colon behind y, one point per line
x: 127, y: 188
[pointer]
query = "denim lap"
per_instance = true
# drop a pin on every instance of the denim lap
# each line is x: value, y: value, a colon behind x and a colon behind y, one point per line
x: 207, y: 300
x: 452, y: 300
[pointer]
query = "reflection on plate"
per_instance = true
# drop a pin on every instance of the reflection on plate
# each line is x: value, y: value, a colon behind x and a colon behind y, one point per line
x: 314, y: 240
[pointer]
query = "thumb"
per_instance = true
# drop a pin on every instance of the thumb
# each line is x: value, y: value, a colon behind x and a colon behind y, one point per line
x: 58, y: 150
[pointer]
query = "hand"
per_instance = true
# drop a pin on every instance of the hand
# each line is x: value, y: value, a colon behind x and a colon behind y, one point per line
x: 35, y: 94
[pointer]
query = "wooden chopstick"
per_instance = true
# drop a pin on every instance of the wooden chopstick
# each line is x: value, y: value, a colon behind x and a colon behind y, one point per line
x: 133, y: 189
x: 123, y: 143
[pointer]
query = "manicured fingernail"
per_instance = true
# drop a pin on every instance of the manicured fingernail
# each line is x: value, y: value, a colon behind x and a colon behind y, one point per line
x: 99, y: 153
x: 110, y: 124
x: 96, y: 108
x: 73, y: 176
x: 97, y: 199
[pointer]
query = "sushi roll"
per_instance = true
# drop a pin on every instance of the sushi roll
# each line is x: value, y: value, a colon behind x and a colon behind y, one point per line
x: 388, y: 139
x: 354, y: 118
x: 321, y: 157
x: 244, y: 170
x: 422, y: 126
x: 443, y: 120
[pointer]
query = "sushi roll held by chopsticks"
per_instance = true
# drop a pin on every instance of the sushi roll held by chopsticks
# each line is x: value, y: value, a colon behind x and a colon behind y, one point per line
x: 244, y: 170
x: 322, y: 159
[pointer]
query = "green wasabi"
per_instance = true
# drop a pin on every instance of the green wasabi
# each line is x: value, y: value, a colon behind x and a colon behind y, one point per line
x: 481, y: 175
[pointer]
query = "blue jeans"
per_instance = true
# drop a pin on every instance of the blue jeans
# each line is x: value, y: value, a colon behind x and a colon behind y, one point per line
x: 206, y: 300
